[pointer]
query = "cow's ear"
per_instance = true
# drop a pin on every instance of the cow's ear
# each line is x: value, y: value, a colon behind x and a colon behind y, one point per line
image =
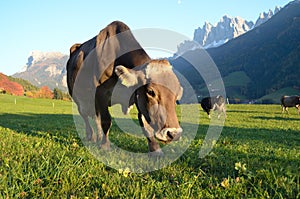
x: 127, y: 77
x: 179, y: 96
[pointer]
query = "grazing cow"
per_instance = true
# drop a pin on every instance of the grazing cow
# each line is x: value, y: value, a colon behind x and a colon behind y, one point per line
x: 216, y: 103
x: 112, y: 68
x: 290, y: 101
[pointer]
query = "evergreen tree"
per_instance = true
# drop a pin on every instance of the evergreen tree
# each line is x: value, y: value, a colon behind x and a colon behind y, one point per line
x: 57, y: 94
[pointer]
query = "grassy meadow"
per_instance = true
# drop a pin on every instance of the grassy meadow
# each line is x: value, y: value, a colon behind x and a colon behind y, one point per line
x: 42, y: 156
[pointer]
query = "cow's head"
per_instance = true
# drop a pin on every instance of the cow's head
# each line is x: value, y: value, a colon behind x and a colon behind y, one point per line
x: 156, y: 89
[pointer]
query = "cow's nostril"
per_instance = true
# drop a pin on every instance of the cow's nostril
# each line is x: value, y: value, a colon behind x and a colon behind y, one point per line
x: 170, y: 135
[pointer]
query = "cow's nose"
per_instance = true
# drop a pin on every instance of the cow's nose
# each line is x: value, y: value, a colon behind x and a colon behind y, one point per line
x: 174, y: 134
x: 169, y: 134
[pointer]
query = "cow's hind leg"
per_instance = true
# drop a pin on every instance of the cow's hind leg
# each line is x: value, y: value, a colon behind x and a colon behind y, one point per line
x: 89, y: 130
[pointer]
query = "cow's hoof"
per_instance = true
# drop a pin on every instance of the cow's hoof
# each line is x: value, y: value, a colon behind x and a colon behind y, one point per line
x: 94, y: 139
x: 156, y: 154
x: 105, y: 146
x: 91, y: 139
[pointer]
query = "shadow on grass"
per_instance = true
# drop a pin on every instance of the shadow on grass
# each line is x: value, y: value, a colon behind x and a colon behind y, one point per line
x: 60, y: 128
x: 218, y: 165
x: 252, y: 111
x: 282, y: 118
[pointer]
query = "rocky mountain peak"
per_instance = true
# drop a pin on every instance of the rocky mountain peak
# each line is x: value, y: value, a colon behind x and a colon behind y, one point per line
x: 35, y: 57
x: 45, y: 68
x: 265, y: 16
x: 226, y: 29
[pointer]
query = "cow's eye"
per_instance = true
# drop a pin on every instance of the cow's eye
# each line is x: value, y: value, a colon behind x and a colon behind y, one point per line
x: 151, y: 92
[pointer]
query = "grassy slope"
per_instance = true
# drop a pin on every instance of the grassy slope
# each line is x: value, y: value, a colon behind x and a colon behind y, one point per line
x: 26, y: 84
x: 41, y: 156
x: 275, y: 97
x: 238, y: 78
x: 234, y: 82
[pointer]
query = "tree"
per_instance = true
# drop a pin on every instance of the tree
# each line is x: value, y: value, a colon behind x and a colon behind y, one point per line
x: 57, y: 94
x: 44, y: 92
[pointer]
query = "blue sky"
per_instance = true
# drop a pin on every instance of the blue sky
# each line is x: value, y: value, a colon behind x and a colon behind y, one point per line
x: 54, y: 25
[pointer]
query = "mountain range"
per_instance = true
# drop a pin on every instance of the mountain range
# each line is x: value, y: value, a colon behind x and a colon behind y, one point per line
x: 259, y: 63
x: 210, y: 36
x: 227, y: 28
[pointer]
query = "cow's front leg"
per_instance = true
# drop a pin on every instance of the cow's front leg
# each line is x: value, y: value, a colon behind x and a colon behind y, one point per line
x: 298, y: 108
x: 153, y: 146
x: 221, y: 109
x: 101, y: 106
x: 208, y: 113
x: 284, y: 109
x: 224, y: 111
x: 98, y: 125
x: 105, y: 124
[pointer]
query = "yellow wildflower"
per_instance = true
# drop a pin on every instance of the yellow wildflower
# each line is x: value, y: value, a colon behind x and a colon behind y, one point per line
x: 225, y: 183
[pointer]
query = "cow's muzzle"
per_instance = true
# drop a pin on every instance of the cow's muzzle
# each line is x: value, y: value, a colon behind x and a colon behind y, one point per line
x: 169, y: 134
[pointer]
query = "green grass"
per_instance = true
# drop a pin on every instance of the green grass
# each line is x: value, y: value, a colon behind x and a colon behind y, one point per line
x: 42, y: 156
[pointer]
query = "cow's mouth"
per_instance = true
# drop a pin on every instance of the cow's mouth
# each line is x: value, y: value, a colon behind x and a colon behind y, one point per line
x: 167, y: 135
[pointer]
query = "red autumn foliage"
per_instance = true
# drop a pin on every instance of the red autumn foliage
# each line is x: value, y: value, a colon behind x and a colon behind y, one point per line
x: 10, y: 87
x: 44, y: 92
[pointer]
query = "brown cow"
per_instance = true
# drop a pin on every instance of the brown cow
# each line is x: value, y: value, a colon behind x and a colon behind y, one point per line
x: 112, y: 68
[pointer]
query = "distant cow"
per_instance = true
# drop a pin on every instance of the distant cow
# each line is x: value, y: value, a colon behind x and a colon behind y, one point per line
x: 112, y: 68
x: 216, y: 103
x: 290, y: 101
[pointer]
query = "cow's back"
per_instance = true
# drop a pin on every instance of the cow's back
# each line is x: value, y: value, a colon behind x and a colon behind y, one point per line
x: 206, y: 103
x: 101, y: 54
x: 290, y: 101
